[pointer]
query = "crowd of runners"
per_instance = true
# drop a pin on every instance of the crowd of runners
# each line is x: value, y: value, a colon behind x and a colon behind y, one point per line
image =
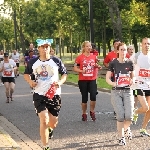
x: 128, y: 74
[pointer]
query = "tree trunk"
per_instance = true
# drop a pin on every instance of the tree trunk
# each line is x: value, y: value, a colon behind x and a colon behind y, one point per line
x: 135, y: 43
x: 115, y: 17
x: 109, y: 46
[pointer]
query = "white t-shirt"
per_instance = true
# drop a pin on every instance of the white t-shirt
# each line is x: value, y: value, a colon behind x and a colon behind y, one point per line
x: 16, y: 57
x: 46, y: 73
x: 142, y: 71
x: 8, y: 68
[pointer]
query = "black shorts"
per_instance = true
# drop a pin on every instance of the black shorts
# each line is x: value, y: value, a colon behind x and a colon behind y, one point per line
x: 8, y: 79
x: 143, y: 92
x: 42, y: 103
x: 88, y: 86
x: 17, y: 64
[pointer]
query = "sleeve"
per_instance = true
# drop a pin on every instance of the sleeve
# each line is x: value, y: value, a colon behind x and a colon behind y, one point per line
x: 28, y: 69
x: 1, y: 64
x: 106, y: 59
x: 77, y: 61
x: 13, y: 63
x: 62, y: 69
x: 111, y: 66
x: 26, y: 58
x: 131, y: 66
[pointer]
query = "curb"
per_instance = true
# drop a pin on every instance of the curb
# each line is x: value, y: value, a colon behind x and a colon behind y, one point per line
x: 99, y: 89
x: 6, y: 142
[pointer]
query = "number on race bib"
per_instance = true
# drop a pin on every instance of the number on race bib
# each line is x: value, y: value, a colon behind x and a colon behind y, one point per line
x: 123, y: 81
x: 144, y: 73
x: 7, y: 73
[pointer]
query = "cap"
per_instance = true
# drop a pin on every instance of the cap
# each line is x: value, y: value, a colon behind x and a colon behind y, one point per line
x: 116, y: 40
x: 6, y: 54
x: 41, y: 42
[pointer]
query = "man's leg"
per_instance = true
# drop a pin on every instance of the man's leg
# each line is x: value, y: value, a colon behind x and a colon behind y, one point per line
x: 53, y: 121
x: 144, y: 105
x: 146, y: 120
x: 44, y: 120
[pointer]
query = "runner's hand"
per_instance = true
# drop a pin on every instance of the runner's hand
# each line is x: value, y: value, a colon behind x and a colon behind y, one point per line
x: 114, y: 84
x: 57, y: 85
x: 33, y: 84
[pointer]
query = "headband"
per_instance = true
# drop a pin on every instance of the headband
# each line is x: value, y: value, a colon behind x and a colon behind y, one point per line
x: 41, y: 42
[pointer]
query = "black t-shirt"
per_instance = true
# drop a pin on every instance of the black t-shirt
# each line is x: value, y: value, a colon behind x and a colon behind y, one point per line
x: 120, y: 69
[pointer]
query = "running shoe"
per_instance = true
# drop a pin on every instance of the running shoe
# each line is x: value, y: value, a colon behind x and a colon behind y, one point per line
x: 135, y: 118
x: 84, y: 117
x: 128, y: 134
x: 92, y: 114
x: 115, y: 115
x: 143, y: 133
x: 32, y: 91
x: 47, y: 148
x: 1, y: 84
x: 11, y: 98
x: 50, y: 133
x: 122, y: 141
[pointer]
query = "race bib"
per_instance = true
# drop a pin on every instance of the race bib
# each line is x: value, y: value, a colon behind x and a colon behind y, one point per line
x: 123, y: 81
x: 144, y: 73
x: 88, y: 71
x: 7, y: 73
x: 51, y: 91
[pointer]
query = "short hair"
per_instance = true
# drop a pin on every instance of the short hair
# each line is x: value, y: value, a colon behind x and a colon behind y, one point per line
x: 93, y: 45
x: 145, y: 39
x: 116, y: 40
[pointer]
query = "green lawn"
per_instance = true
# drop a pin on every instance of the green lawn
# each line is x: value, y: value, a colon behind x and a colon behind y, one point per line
x: 74, y: 78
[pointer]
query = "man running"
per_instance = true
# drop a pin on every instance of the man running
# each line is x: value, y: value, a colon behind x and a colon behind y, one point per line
x: 46, y: 97
x: 16, y: 57
x: 142, y: 84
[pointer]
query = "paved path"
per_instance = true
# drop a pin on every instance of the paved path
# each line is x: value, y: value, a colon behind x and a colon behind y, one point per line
x: 19, y: 120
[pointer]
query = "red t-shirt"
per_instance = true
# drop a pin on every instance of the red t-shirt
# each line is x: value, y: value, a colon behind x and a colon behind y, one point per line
x: 94, y: 52
x: 111, y: 56
x: 88, y: 63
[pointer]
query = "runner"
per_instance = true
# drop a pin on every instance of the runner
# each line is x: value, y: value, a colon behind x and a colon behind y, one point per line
x: 142, y: 69
x: 31, y: 56
x: 52, y: 52
x: 111, y: 56
x: 46, y: 97
x: 7, y: 67
x: 130, y: 50
x: 27, y: 59
x: 16, y: 57
x: 85, y: 65
x: 121, y: 96
x: 1, y: 59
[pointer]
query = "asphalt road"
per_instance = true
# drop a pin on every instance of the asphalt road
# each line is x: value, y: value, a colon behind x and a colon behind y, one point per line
x: 71, y: 133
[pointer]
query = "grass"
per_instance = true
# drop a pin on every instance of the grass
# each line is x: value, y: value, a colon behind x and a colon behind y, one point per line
x: 101, y: 82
